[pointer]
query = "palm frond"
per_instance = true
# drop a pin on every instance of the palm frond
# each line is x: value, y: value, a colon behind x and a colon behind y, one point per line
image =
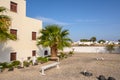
x: 2, y: 9
x: 4, y: 36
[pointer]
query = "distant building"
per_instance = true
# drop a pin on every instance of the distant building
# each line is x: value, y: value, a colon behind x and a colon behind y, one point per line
x: 26, y: 29
x: 86, y: 43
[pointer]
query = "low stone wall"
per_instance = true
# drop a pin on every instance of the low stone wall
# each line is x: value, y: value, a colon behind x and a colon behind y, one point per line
x: 90, y: 49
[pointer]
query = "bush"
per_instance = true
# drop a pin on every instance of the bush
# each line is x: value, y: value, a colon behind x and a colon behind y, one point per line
x: 10, y: 67
x: 4, y: 65
x: 26, y: 64
x: 110, y: 47
x: 39, y: 59
x: 30, y: 62
x: 62, y: 55
x: 71, y: 53
x: 42, y: 59
x: 16, y: 63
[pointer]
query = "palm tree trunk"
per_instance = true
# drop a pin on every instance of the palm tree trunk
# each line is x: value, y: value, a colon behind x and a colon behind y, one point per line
x: 54, y: 51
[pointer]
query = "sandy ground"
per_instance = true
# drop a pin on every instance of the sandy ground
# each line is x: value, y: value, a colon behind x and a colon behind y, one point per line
x: 70, y: 69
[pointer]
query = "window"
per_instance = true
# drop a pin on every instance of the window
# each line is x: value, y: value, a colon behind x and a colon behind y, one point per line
x: 33, y: 53
x: 13, y: 31
x: 13, y: 56
x: 13, y: 6
x: 33, y: 35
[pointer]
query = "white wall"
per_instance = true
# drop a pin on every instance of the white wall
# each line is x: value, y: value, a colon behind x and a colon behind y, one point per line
x: 42, y: 50
x: 90, y: 49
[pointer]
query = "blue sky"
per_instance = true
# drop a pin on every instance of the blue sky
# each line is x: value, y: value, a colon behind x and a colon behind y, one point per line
x: 83, y: 18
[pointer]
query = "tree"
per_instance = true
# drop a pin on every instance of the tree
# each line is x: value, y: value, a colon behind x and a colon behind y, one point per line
x: 93, y: 39
x: 54, y: 37
x: 84, y: 40
x: 110, y: 47
x: 101, y: 41
x: 4, y: 36
x: 5, y: 23
x: 5, y: 20
x: 119, y: 41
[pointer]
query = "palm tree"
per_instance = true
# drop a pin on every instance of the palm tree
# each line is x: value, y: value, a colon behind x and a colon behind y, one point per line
x: 5, y: 20
x: 5, y: 35
x: 5, y: 23
x: 54, y: 37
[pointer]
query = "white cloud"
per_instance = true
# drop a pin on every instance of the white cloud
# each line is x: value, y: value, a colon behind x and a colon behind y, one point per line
x: 51, y: 21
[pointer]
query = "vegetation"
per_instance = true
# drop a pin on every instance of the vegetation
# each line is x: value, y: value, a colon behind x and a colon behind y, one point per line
x: 10, y: 67
x: 119, y: 41
x: 5, y: 23
x: 71, y: 53
x: 4, y: 65
x: 54, y: 37
x: 93, y: 39
x: 16, y: 63
x: 110, y: 47
x: 63, y: 55
x: 26, y: 63
x: 42, y: 59
x: 101, y: 41
x: 84, y: 40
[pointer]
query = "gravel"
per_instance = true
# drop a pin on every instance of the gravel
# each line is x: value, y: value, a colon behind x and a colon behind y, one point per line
x: 71, y: 68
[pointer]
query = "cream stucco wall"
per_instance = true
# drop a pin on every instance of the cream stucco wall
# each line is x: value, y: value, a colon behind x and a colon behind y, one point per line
x: 21, y: 6
x: 24, y: 26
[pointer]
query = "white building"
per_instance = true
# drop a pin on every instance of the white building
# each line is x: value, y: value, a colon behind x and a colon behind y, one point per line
x: 86, y: 43
x: 26, y: 29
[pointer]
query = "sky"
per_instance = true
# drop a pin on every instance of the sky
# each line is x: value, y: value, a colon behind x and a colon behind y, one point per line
x: 83, y: 18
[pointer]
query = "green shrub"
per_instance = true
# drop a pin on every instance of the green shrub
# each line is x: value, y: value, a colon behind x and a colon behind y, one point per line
x: 16, y: 63
x: 110, y: 47
x: 42, y: 59
x: 62, y: 55
x: 9, y: 65
x: 26, y: 64
x: 39, y: 59
x: 71, y: 53
x: 30, y: 62
x: 4, y: 65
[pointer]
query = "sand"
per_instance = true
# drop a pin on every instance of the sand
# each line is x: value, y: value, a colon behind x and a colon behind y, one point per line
x: 71, y: 68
